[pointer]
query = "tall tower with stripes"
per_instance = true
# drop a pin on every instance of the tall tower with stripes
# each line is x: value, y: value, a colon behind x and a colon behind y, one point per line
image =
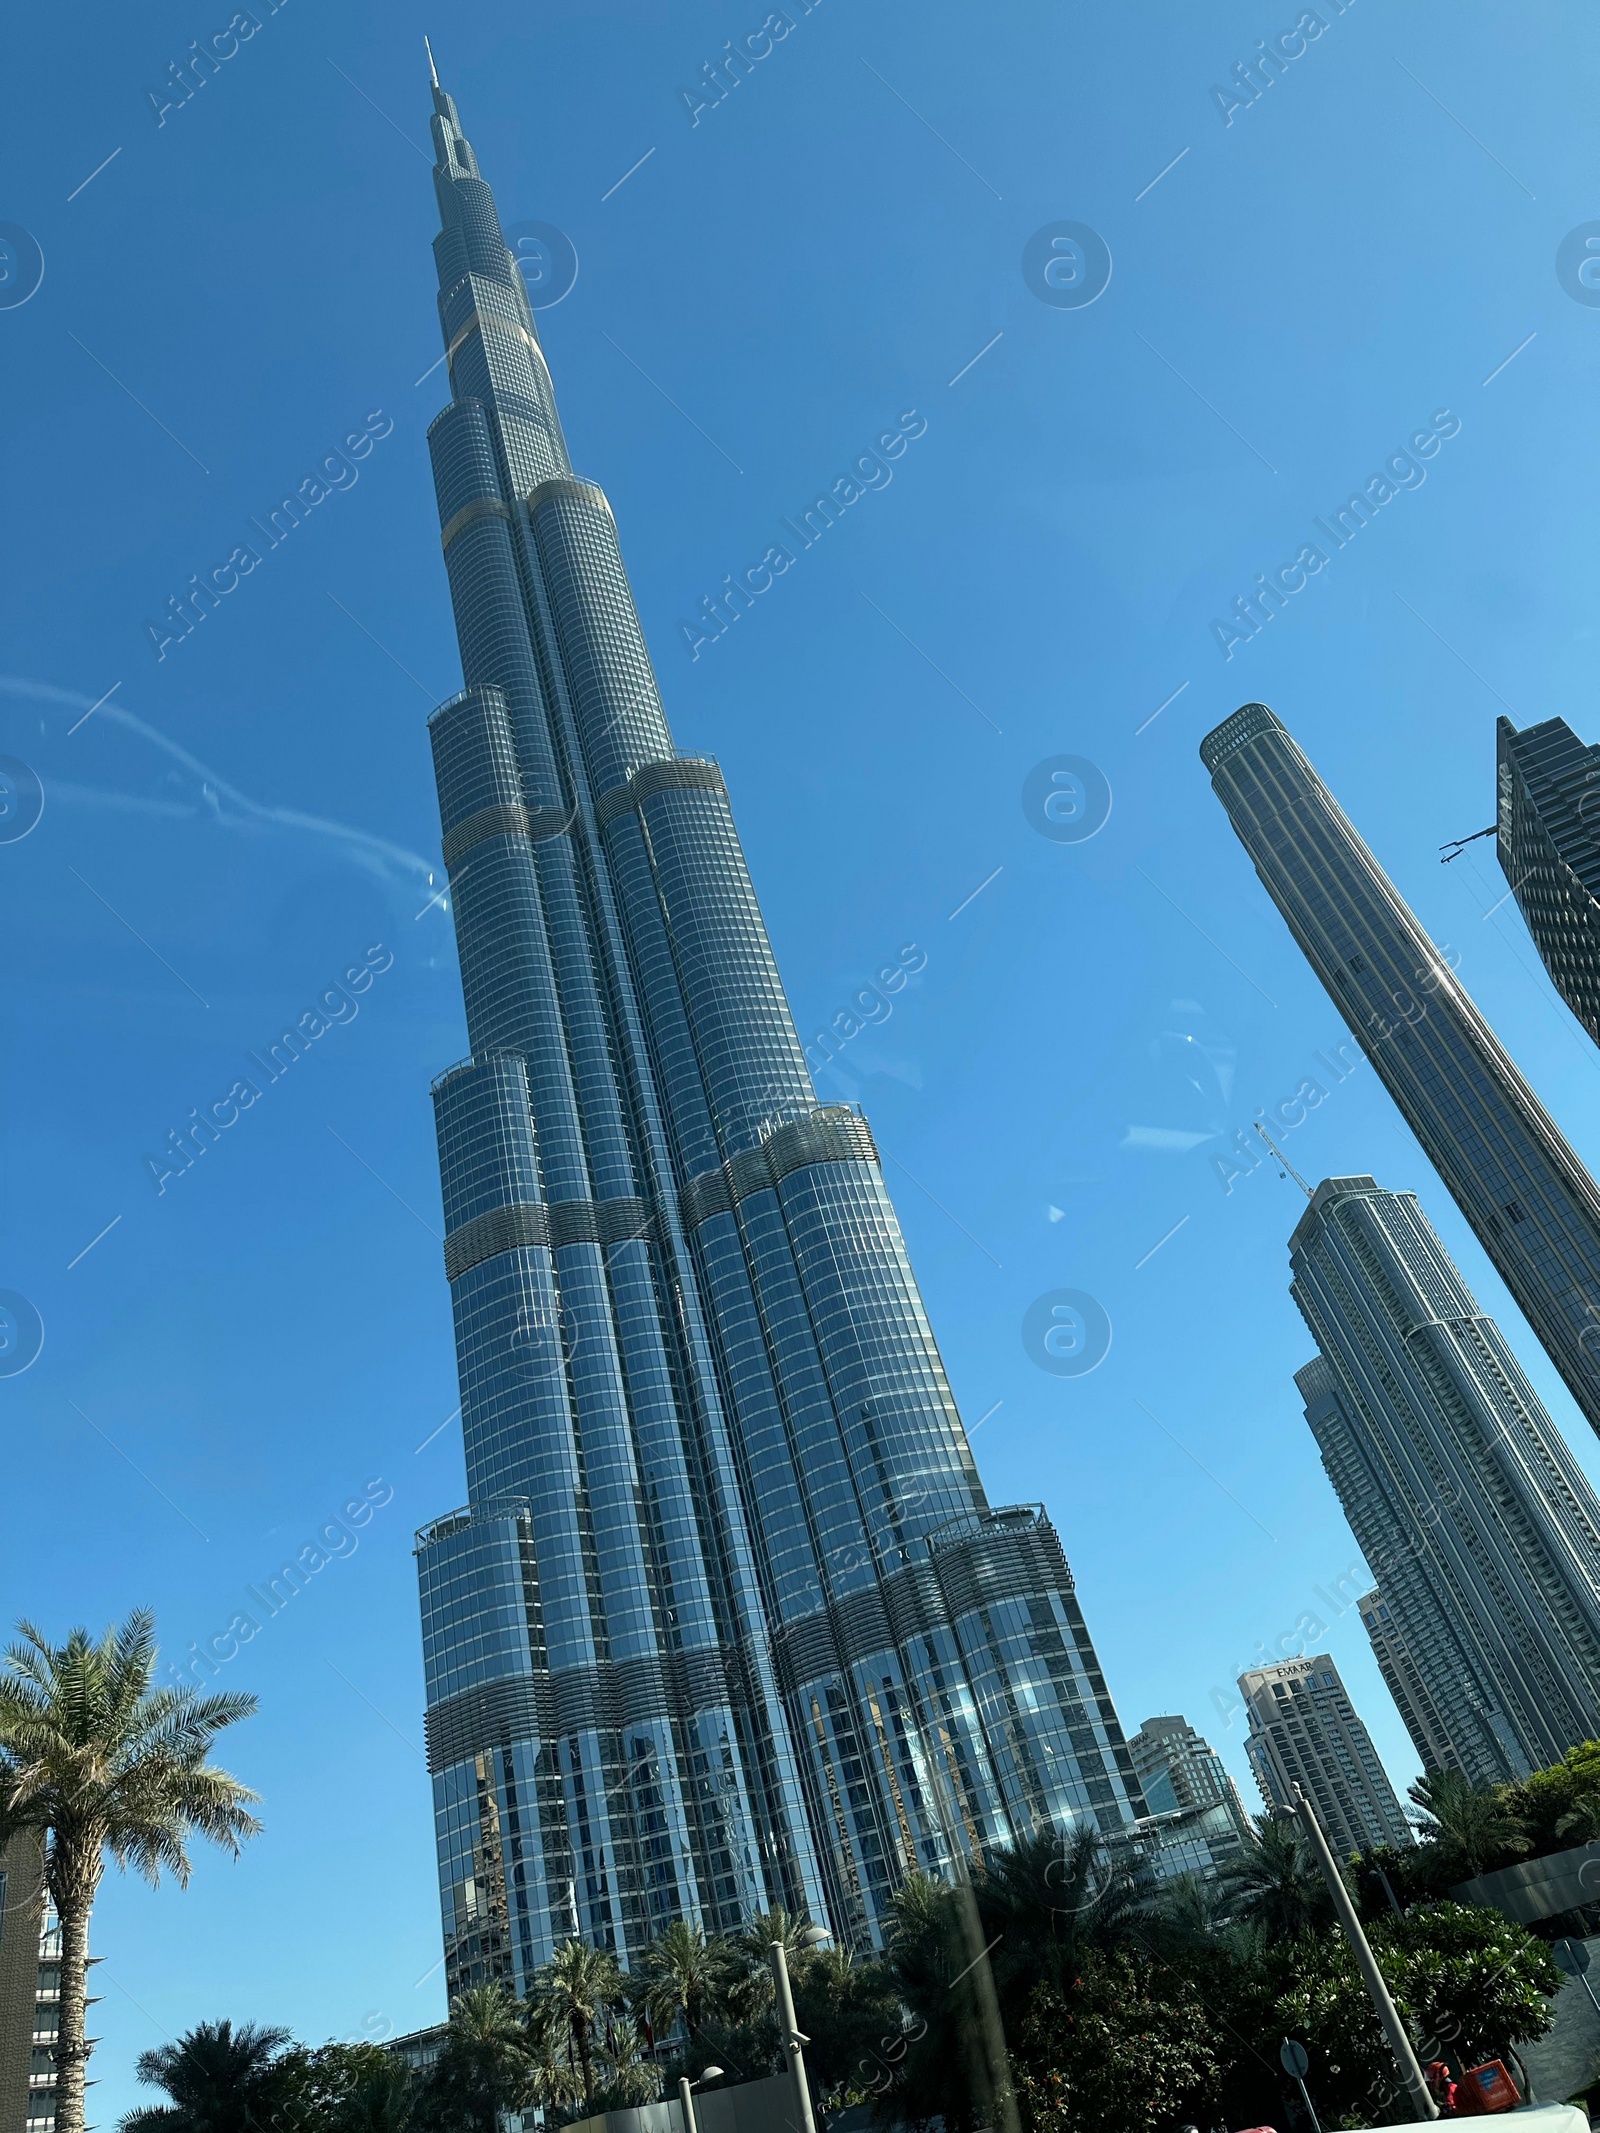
x: 726, y: 1620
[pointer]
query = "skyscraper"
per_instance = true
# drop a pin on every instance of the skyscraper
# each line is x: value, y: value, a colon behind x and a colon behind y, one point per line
x: 1459, y: 1489
x: 727, y: 1620
x: 1531, y: 1203
x: 1406, y: 1676
x: 1180, y: 1773
x: 30, y: 1989
x: 1549, y: 818
x: 1304, y: 1732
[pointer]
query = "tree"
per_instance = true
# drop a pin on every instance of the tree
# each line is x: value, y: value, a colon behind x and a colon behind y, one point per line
x: 99, y: 1761
x: 1542, y: 1803
x: 1475, y: 1825
x: 1478, y: 1984
x: 941, y: 2064
x: 627, y: 2076
x: 1194, y: 1905
x: 1474, y: 1985
x: 851, y: 2013
x: 346, y: 2088
x: 681, y: 1977
x: 484, y: 2066
x: 553, y: 2078
x: 1130, y: 2049
x: 1275, y: 1883
x: 580, y: 1987
x: 1050, y: 1898
x: 220, y: 2080
x: 1581, y: 1822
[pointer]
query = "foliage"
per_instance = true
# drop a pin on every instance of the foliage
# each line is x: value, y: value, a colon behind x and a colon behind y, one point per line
x: 936, y: 2075
x: 1276, y: 1883
x: 1477, y: 1983
x: 851, y: 2012
x: 1131, y: 2048
x: 484, y: 2066
x: 343, y: 2088
x: 1126, y: 2008
x: 579, y: 1990
x: 219, y: 2080
x: 626, y: 2076
x: 1543, y: 1802
x: 680, y: 1977
x: 1474, y: 1827
x: 99, y: 1760
x: 1050, y: 1899
x: 1473, y: 1984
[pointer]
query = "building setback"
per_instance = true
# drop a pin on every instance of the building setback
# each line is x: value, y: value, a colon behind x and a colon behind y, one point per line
x: 1460, y: 1490
x: 727, y: 1620
x: 1530, y: 1202
x: 1548, y: 816
x: 1304, y: 1732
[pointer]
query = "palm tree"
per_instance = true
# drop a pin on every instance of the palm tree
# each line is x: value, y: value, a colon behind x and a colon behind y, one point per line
x: 777, y: 1924
x: 1052, y: 1895
x: 97, y: 1760
x: 1193, y: 1907
x: 1581, y: 1822
x: 380, y: 2098
x: 581, y: 1986
x: 552, y: 2078
x: 1474, y: 1823
x: 485, y: 2066
x: 1275, y: 1883
x: 630, y: 2078
x: 220, y: 2079
x: 680, y: 1976
x: 943, y: 2065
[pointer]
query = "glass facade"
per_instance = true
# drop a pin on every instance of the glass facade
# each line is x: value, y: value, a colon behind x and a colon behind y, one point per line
x: 1460, y: 1491
x: 1199, y: 1818
x: 727, y: 1620
x: 1531, y: 1203
x: 1548, y: 819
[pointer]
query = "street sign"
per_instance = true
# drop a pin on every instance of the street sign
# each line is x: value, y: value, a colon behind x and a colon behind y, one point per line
x: 1294, y: 2058
x: 1571, y: 1956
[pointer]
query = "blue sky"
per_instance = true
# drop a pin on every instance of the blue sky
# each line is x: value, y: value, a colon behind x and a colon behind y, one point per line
x: 837, y: 245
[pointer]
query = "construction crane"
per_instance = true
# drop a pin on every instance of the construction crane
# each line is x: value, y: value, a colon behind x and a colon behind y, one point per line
x: 1457, y: 845
x: 1288, y: 1169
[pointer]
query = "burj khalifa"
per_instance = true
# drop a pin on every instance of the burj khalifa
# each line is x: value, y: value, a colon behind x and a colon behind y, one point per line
x: 727, y: 1620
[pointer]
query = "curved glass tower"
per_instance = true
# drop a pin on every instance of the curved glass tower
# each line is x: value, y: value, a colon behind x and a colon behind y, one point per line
x: 726, y: 1621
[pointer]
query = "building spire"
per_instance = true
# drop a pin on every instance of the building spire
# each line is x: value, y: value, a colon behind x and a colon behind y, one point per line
x: 433, y: 71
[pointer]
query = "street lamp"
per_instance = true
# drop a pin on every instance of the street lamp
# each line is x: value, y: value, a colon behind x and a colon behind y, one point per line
x: 686, y: 2089
x: 793, y: 2037
x: 1411, y: 2074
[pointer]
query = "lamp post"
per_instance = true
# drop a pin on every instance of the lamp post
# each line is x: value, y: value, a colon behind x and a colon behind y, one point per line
x: 793, y: 2037
x: 686, y: 2089
x: 1411, y: 2074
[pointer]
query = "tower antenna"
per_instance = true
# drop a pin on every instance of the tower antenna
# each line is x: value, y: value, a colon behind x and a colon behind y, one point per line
x: 433, y: 71
x: 1288, y: 1169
